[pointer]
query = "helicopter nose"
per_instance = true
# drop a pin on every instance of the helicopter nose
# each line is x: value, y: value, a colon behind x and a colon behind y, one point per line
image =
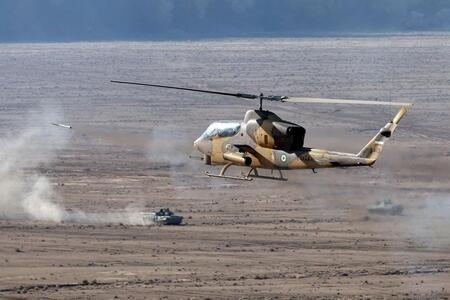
x: 203, y: 146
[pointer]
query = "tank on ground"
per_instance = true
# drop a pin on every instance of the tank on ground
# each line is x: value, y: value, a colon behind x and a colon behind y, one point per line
x: 166, y: 217
x: 386, y: 207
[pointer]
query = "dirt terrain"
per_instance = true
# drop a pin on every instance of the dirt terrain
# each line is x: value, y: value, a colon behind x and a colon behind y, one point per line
x: 309, y: 237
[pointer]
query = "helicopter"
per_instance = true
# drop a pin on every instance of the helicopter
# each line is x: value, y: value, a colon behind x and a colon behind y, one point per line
x: 263, y: 140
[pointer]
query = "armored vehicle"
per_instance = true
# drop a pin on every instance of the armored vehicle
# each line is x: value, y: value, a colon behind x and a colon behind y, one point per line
x: 386, y: 207
x: 166, y: 217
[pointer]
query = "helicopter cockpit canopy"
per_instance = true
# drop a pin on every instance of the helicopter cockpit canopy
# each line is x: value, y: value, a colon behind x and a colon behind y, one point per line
x: 221, y: 129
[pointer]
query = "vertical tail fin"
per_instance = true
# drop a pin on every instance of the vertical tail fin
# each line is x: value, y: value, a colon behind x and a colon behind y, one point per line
x: 373, y: 149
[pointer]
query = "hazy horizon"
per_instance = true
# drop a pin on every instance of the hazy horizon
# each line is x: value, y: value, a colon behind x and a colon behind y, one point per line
x: 140, y: 20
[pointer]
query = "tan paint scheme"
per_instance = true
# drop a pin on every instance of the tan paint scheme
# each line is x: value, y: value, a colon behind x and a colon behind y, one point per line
x: 217, y: 151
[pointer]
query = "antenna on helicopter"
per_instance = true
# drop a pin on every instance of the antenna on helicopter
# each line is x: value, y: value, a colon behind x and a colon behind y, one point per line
x: 261, y: 96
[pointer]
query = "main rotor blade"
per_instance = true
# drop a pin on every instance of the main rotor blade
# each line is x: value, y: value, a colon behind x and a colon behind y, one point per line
x: 271, y: 98
x: 238, y: 95
x: 342, y: 101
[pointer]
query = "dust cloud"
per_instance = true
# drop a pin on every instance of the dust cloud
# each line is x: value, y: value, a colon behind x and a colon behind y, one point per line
x: 26, y: 193
x: 167, y: 145
x: 130, y: 216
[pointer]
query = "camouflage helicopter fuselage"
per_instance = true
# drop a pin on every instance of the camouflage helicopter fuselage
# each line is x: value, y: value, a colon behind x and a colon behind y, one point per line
x: 264, y: 140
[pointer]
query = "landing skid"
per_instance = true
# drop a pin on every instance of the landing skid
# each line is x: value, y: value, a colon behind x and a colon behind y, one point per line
x: 222, y: 174
x: 229, y: 177
x: 246, y: 177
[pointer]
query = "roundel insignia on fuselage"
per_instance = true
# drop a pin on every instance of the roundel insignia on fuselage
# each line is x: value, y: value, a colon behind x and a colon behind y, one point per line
x: 282, y: 159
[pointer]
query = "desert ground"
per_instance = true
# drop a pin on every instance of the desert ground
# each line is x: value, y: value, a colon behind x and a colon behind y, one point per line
x: 69, y: 199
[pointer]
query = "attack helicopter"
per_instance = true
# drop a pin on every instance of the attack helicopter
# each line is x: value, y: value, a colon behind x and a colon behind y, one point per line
x: 263, y: 140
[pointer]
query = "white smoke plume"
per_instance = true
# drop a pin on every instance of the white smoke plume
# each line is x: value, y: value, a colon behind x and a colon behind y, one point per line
x: 24, y: 193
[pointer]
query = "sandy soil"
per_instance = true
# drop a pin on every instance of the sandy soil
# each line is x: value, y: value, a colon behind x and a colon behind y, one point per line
x: 310, y: 237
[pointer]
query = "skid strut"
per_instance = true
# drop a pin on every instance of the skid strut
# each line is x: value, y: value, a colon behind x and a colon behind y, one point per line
x: 256, y: 175
x: 247, y: 177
